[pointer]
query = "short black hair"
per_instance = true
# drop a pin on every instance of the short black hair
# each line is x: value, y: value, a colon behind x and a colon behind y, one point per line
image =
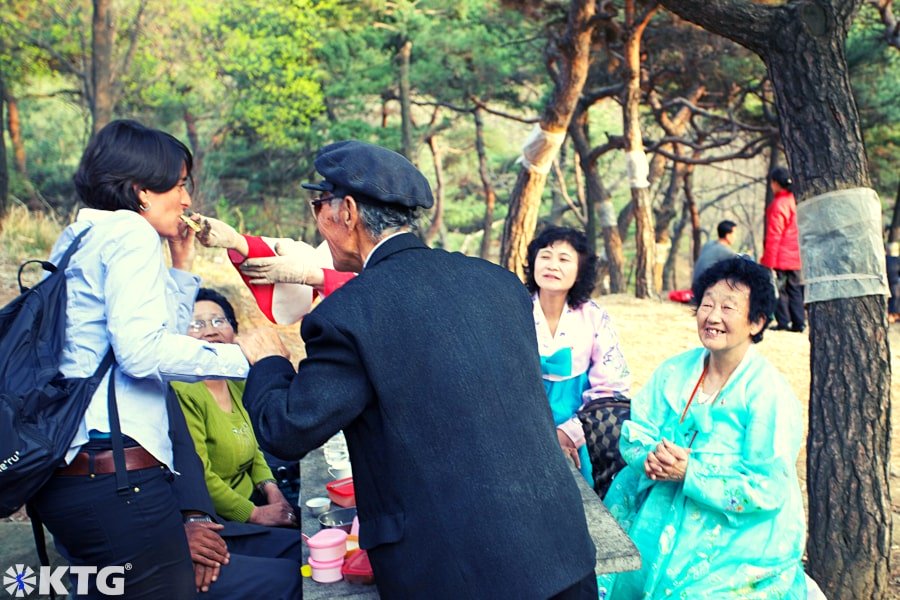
x: 214, y: 296
x: 741, y: 270
x: 125, y: 157
x: 587, y: 262
x: 725, y: 227
x: 782, y: 177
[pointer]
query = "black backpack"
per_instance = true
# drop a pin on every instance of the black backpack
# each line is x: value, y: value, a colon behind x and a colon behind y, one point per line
x: 40, y: 410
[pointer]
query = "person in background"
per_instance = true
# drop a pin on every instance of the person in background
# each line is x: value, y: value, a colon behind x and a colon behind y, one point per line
x: 581, y: 359
x: 893, y: 275
x: 239, y: 481
x: 711, y: 496
x: 439, y: 397
x: 134, y: 182
x: 782, y: 252
x: 228, y: 556
x: 715, y: 250
x: 284, y: 275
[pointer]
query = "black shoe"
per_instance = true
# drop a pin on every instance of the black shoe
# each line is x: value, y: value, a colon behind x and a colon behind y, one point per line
x: 800, y: 329
x: 779, y: 327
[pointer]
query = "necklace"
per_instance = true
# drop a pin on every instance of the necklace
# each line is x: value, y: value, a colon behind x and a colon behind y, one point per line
x: 704, y: 397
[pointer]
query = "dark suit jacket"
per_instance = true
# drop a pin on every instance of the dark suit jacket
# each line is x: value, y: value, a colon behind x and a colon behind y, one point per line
x: 428, y: 361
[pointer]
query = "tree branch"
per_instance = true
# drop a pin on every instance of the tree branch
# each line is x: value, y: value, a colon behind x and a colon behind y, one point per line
x: 743, y: 21
x: 132, y: 45
x: 751, y: 149
x: 891, y: 24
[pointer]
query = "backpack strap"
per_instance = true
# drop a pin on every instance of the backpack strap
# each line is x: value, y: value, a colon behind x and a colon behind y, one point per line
x: 115, y: 428
x: 49, y: 266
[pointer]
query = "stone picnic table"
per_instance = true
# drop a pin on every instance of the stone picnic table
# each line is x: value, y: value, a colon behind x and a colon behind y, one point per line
x: 615, y: 551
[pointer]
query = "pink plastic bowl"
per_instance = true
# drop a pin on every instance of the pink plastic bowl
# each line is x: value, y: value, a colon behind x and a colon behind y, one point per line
x: 326, y: 572
x: 328, y: 545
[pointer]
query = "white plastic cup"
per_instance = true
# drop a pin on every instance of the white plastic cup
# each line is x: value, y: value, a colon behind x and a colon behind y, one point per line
x: 335, y: 449
x: 341, y: 470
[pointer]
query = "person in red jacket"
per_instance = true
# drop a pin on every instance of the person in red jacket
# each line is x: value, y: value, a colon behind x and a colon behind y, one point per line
x: 284, y: 275
x: 782, y: 252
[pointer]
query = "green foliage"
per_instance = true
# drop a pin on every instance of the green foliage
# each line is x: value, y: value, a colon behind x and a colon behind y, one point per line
x: 257, y: 87
x: 875, y: 77
x: 266, y: 55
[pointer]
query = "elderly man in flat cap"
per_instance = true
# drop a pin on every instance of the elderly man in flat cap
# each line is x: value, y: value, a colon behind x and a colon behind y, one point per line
x: 428, y: 362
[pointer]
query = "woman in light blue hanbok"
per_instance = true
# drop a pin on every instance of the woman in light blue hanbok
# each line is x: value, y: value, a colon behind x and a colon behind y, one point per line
x: 581, y: 358
x: 710, y: 495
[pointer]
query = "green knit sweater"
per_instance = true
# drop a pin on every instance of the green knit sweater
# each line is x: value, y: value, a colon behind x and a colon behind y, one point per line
x: 232, y: 461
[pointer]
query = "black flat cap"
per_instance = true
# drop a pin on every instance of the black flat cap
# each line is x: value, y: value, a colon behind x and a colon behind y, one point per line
x: 377, y: 173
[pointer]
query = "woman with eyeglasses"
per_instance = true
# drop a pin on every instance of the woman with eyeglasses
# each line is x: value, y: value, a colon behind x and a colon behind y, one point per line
x: 239, y: 481
x: 711, y: 496
x: 134, y: 183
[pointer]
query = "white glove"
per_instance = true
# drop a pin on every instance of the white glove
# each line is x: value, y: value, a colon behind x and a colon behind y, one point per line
x: 297, y: 248
x: 296, y: 263
x: 218, y: 234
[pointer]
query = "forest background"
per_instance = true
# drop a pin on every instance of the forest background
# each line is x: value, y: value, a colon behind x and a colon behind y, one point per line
x: 254, y: 88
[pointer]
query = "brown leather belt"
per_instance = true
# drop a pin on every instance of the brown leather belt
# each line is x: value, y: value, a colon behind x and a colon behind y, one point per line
x: 135, y: 458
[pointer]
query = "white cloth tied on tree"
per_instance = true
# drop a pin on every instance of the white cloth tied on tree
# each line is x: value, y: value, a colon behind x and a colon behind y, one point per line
x: 841, y: 246
x: 541, y: 148
x: 606, y: 214
x: 638, y: 169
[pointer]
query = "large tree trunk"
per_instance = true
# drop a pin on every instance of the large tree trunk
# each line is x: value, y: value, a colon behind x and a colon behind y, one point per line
x: 101, y: 64
x: 599, y: 196
x: 4, y: 170
x: 403, y: 58
x: 574, y: 60
x: 691, y: 204
x: 669, y: 275
x: 20, y: 164
x: 490, y: 197
x: 645, y: 240
x: 848, y: 447
x: 14, y: 127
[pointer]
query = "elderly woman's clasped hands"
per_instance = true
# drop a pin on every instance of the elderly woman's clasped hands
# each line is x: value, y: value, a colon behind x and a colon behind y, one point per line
x: 668, y: 462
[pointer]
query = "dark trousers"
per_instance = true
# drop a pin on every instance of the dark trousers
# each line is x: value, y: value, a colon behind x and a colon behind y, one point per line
x: 141, y: 530
x: 262, y: 565
x: 584, y: 589
x: 789, y: 310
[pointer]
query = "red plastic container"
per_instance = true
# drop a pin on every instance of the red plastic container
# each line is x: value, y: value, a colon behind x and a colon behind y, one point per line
x: 341, y: 492
x: 357, y: 569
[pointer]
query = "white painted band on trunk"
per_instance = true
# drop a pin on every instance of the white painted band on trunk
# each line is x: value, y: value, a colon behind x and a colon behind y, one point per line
x: 638, y: 169
x: 841, y: 245
x: 606, y: 214
x: 541, y: 148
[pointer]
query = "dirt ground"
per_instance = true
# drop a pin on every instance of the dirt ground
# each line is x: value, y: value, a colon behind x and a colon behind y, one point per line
x: 650, y: 331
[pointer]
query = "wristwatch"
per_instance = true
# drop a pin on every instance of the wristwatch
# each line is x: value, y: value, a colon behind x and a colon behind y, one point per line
x: 198, y: 519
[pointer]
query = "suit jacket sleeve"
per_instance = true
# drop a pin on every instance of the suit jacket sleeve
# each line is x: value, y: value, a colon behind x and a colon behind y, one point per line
x: 189, y: 485
x: 293, y: 413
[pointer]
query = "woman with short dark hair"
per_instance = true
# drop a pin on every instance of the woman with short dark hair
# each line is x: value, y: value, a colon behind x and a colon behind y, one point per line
x: 135, y: 184
x: 239, y: 481
x: 581, y: 358
x: 711, y: 496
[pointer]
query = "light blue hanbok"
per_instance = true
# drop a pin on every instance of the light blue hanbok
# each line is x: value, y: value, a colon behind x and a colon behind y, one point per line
x: 735, y: 527
x: 582, y: 361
